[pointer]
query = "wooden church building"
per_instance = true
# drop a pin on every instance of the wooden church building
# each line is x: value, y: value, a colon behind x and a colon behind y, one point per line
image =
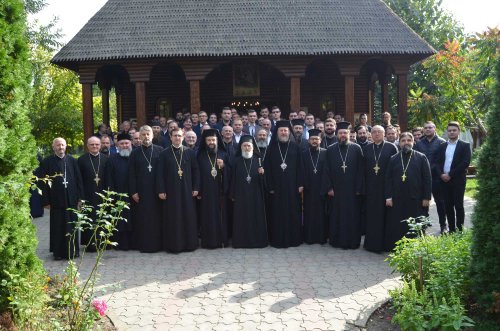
x: 163, y: 56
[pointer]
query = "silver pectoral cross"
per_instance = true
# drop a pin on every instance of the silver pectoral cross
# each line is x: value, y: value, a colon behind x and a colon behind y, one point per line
x: 150, y: 167
x: 249, y: 179
x: 344, y: 167
x: 65, y: 183
x: 96, y: 180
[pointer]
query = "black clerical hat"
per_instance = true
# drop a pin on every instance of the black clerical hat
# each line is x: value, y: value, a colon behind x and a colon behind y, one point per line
x: 282, y: 124
x: 297, y: 121
x: 123, y: 136
x: 343, y: 126
x: 251, y: 139
x: 155, y: 123
x: 314, y: 133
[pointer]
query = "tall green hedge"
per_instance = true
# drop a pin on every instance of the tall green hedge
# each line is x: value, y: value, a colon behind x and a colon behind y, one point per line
x: 486, y: 241
x: 17, y: 148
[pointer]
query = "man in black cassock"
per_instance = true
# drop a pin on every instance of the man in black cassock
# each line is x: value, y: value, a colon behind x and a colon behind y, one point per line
x: 116, y: 179
x: 142, y: 172
x: 214, y: 185
x: 92, y: 166
x: 178, y: 182
x: 377, y: 157
x: 315, y: 219
x: 329, y: 138
x: 283, y: 168
x: 343, y: 182
x: 247, y: 192
x: 65, y: 192
x: 408, y: 188
x: 298, y: 133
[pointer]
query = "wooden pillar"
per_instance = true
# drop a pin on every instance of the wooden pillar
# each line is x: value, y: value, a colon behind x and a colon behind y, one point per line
x: 403, y: 102
x: 140, y: 102
x: 88, y: 111
x: 194, y: 88
x: 294, y: 93
x: 105, y: 105
x: 349, y: 98
x: 385, y: 95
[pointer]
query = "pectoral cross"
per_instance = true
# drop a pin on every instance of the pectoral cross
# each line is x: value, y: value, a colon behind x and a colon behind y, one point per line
x: 403, y: 177
x: 376, y: 168
x: 150, y: 167
x: 179, y: 172
x: 65, y: 183
x: 343, y: 167
x: 315, y: 170
x: 96, y: 180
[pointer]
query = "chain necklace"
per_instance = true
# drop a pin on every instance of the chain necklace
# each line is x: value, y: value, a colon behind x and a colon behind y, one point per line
x: 65, y: 182
x: 150, y: 159
x: 403, y: 178
x: 213, y: 171
x: 377, y: 168
x: 96, y: 179
x: 315, y: 166
x: 179, y: 171
x: 248, y: 178
x: 283, y: 163
x: 342, y: 158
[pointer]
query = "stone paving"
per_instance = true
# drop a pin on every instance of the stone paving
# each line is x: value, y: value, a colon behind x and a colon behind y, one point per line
x: 304, y: 288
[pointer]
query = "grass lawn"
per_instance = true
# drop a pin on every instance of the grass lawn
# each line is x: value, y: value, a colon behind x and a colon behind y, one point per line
x: 471, y: 187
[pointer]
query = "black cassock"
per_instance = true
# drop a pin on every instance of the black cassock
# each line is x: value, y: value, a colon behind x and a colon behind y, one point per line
x: 60, y: 198
x: 345, y: 222
x: 247, y: 191
x: 180, y: 231
x: 116, y: 175
x: 142, y: 171
x: 406, y: 195
x: 376, y: 211
x: 231, y: 152
x: 315, y: 219
x: 213, y: 194
x: 328, y: 141
x: 92, y: 171
x: 286, y: 220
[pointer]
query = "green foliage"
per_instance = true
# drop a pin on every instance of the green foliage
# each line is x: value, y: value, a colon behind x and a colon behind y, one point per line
x: 436, y: 281
x: 17, y: 150
x: 485, y: 244
x: 56, y: 107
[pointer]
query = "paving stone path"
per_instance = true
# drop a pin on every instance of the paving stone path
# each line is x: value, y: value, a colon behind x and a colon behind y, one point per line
x: 304, y: 288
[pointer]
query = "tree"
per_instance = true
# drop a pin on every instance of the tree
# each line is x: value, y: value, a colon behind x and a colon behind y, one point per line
x: 17, y: 149
x: 486, y: 236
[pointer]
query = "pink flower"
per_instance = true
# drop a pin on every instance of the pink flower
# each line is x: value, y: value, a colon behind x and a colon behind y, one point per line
x: 100, y: 306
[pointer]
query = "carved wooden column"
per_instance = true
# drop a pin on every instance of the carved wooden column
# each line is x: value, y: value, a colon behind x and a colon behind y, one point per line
x: 194, y: 89
x: 403, y: 102
x: 140, y: 102
x: 105, y: 105
x: 88, y: 111
x: 349, y: 98
x: 294, y: 93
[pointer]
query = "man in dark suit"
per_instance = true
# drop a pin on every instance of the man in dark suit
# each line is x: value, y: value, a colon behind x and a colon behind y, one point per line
x: 252, y: 127
x: 453, y: 159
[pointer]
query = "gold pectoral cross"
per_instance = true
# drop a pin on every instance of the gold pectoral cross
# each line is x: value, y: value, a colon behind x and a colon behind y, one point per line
x: 376, y: 168
x: 343, y: 167
x: 403, y: 177
x: 96, y: 180
x: 179, y: 172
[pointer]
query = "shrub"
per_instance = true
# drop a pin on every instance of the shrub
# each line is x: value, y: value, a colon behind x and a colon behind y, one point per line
x: 17, y: 153
x: 485, y: 244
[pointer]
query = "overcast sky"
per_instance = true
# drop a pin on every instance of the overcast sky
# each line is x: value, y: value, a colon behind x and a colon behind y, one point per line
x: 475, y: 15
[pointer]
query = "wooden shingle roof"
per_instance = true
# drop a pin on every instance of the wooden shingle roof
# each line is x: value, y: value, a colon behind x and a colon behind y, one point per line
x: 131, y: 29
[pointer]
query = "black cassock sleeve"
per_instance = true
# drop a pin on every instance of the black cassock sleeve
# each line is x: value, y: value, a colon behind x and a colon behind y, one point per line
x: 327, y: 180
x: 388, y: 179
x: 195, y: 172
x: 426, y: 179
x: 360, y: 179
x: 79, y: 180
x: 132, y: 179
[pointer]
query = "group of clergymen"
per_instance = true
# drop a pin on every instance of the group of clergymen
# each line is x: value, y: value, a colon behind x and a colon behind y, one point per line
x: 284, y: 192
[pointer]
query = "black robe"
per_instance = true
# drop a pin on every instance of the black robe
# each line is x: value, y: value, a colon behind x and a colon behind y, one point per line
x: 213, y: 195
x: 347, y: 186
x: 116, y: 179
x: 250, y: 225
x: 60, y: 199
x: 327, y: 142
x: 376, y: 211
x: 286, y: 209
x: 267, y: 196
x: 142, y: 181
x: 406, y: 196
x: 91, y: 187
x: 180, y: 230
x: 315, y: 219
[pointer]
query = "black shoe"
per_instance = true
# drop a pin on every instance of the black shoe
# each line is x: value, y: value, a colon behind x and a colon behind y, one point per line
x: 444, y: 229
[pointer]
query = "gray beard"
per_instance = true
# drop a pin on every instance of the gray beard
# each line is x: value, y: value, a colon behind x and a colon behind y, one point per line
x: 283, y: 139
x: 147, y: 143
x: 343, y: 142
x: 262, y: 144
x: 125, y: 152
x: 247, y: 155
